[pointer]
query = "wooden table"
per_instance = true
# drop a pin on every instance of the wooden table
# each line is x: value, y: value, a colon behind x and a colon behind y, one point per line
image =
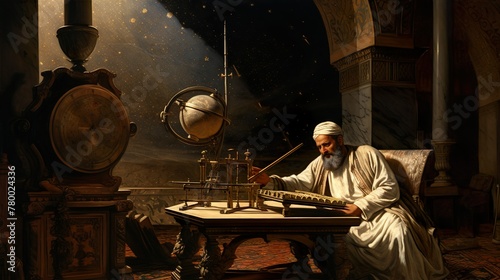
x: 315, y: 233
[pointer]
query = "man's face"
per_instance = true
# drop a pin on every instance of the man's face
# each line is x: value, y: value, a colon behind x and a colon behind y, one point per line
x: 326, y: 145
x: 331, y: 151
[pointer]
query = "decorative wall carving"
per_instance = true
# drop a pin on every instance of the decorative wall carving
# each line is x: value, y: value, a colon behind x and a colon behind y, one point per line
x: 393, y: 17
x: 486, y: 17
x: 349, y: 26
x: 377, y: 65
x: 355, y: 25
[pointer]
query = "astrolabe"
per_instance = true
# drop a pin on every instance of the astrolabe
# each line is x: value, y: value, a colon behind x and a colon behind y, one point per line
x: 89, y: 129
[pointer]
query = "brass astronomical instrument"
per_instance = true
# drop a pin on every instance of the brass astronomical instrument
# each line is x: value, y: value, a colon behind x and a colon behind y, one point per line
x: 231, y: 175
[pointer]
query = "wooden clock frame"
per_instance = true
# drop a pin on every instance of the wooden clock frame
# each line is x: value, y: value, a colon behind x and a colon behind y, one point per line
x: 41, y: 115
x: 67, y: 206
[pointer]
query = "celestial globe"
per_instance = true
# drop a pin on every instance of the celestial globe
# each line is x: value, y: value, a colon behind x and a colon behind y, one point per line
x: 202, y: 117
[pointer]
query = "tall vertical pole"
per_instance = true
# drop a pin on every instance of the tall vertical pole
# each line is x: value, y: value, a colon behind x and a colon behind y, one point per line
x: 440, y: 92
x: 224, y: 75
x: 225, y: 64
x: 441, y: 65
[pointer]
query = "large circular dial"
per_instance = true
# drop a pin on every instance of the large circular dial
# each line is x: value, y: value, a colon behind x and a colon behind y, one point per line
x: 89, y: 129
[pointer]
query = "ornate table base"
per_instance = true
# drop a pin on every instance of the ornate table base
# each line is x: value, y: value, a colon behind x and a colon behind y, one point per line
x: 312, y: 236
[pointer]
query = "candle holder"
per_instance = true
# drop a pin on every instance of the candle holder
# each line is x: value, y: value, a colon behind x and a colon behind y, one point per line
x: 77, y: 42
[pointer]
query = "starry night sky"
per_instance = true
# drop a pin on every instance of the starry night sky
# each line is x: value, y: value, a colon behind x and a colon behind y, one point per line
x: 277, y: 53
x: 280, y: 49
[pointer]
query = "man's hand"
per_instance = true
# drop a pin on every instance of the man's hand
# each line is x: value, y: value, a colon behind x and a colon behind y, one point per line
x: 262, y: 179
x: 352, y: 210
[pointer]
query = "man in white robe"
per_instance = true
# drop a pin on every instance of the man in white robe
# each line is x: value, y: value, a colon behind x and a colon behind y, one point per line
x: 395, y: 238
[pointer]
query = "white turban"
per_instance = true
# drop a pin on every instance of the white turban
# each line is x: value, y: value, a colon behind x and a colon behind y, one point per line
x: 327, y: 128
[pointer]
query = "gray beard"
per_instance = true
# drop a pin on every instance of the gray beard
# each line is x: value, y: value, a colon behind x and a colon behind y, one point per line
x: 334, y: 160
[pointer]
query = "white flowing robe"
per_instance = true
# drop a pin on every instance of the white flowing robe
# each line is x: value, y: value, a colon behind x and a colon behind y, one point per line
x: 387, y: 244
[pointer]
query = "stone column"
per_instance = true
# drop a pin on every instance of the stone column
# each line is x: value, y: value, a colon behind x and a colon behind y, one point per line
x: 443, y: 184
x: 379, y: 105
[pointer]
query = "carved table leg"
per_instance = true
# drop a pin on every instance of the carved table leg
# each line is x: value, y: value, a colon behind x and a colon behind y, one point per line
x: 301, y: 268
x: 210, y: 264
x: 214, y: 265
x: 324, y: 255
x: 185, y: 248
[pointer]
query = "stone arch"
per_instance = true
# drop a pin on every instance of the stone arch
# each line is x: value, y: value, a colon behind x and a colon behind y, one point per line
x: 353, y: 25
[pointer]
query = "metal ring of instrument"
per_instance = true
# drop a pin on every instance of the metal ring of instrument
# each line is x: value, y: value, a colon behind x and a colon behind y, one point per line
x: 175, y: 99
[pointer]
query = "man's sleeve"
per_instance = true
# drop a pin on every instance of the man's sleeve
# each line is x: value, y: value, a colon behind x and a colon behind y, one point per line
x: 385, y: 189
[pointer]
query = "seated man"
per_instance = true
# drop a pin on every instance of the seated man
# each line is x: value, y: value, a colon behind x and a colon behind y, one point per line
x: 395, y: 238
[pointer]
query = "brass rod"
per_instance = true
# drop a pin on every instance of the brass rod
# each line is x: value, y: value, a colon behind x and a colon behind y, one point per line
x: 276, y: 161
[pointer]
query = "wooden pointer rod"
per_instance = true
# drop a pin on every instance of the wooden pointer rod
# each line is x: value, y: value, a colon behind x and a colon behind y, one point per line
x: 275, y: 162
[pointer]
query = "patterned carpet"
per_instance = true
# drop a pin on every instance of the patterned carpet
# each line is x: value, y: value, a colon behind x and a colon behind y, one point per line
x: 473, y: 258
x: 476, y: 258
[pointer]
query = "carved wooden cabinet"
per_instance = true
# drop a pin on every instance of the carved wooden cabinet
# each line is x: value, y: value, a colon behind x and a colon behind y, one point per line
x: 76, y: 236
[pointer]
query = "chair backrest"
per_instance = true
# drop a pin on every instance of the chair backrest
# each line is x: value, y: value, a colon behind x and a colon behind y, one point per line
x: 412, y: 168
x: 481, y: 182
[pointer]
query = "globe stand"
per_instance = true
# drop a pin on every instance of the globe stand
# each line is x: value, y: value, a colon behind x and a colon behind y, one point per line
x: 203, y: 118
